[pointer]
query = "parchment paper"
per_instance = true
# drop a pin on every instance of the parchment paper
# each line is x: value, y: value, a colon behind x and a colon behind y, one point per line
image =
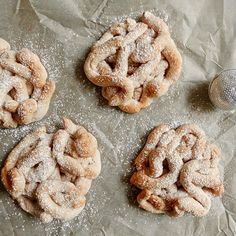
x: 61, y: 32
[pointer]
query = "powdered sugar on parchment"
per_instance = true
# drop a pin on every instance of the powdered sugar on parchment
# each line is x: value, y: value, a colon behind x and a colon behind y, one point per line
x: 120, y: 137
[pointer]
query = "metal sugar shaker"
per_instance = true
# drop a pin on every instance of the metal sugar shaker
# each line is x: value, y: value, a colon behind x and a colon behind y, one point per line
x: 222, y: 90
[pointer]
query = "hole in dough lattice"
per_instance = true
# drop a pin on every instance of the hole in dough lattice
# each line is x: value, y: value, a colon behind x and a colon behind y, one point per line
x: 50, y: 174
x: 134, y: 62
x: 25, y: 93
x: 177, y: 171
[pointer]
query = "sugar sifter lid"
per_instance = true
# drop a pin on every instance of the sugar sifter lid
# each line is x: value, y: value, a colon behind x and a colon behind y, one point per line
x: 222, y: 90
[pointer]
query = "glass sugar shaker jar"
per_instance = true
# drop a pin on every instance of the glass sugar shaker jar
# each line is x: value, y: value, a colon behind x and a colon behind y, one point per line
x: 222, y: 90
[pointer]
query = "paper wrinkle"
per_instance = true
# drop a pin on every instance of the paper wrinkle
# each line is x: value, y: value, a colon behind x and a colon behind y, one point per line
x: 108, y: 143
x: 99, y: 10
x: 17, y: 7
x: 231, y: 223
x: 205, y: 33
x: 63, y: 33
x: 70, y: 9
x: 225, y: 125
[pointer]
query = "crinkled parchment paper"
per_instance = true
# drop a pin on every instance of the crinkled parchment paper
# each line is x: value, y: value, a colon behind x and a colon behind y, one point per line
x: 61, y: 32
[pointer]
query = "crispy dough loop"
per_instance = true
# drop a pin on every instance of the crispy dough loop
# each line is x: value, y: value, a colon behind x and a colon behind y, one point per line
x: 25, y: 93
x: 177, y: 171
x: 62, y: 200
x: 76, y: 151
x: 50, y: 174
x: 134, y: 58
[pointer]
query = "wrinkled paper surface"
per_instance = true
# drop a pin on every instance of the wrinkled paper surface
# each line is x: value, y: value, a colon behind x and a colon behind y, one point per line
x: 61, y: 32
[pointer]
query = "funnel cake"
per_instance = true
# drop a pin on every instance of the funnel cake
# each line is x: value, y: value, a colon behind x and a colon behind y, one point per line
x: 134, y: 62
x: 50, y: 174
x: 177, y: 171
x: 25, y: 93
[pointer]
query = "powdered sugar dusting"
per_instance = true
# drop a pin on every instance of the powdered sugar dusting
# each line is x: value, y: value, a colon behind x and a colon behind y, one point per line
x: 110, y: 201
x: 51, y: 54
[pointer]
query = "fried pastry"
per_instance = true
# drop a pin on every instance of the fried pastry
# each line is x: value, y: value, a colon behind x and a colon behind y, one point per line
x: 134, y: 62
x: 177, y: 171
x: 49, y: 174
x: 25, y: 93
